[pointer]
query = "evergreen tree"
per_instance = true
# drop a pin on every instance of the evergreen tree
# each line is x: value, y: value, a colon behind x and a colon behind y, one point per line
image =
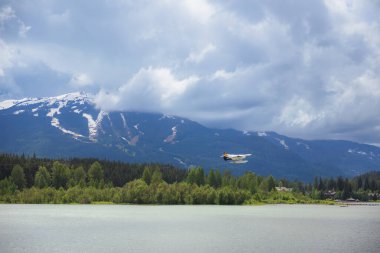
x: 156, y: 177
x: 200, y: 176
x: 248, y: 182
x: 42, y: 178
x: 347, y: 190
x: 191, y: 176
x: 373, y: 185
x: 228, y: 179
x: 360, y: 183
x: 321, y: 184
x: 315, y: 183
x: 79, y: 176
x: 18, y: 177
x: 211, y: 179
x: 196, y: 176
x: 95, y: 174
x: 60, y: 175
x: 366, y: 184
x: 147, y: 174
x: 340, y: 184
x: 218, y: 179
x: 331, y: 185
x: 7, y: 187
x: 271, y: 183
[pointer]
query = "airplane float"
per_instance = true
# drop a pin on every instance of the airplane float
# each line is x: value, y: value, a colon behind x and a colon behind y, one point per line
x: 235, y: 158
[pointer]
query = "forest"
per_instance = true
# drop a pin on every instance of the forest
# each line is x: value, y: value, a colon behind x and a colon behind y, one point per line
x: 25, y: 179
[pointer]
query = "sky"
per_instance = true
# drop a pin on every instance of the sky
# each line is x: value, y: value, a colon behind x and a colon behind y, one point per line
x: 308, y: 69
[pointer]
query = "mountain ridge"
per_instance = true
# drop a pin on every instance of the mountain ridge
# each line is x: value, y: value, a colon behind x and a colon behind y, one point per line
x: 70, y: 125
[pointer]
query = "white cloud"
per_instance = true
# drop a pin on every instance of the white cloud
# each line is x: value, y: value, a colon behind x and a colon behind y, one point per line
x: 151, y: 89
x: 60, y: 18
x: 200, y: 10
x: 6, y: 14
x: 7, y: 56
x: 23, y: 30
x: 81, y: 79
x: 299, y: 113
x: 222, y: 74
x: 308, y: 69
x: 198, y: 56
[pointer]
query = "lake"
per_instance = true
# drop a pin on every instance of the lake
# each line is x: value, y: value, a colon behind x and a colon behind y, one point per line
x: 132, y: 228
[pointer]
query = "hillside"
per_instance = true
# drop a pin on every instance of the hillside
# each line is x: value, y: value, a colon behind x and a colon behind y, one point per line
x: 70, y: 125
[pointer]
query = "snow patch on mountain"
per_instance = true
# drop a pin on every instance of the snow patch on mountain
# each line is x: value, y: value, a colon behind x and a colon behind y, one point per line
x: 18, y: 112
x: 55, y: 123
x: 52, y: 112
x: 76, y: 97
x: 283, y: 143
x: 7, y: 104
x: 179, y: 160
x: 94, y: 125
x: 354, y: 151
x: 166, y: 116
x: 262, y: 134
x: 303, y: 144
x: 170, y: 138
x: 91, y: 126
x: 124, y: 121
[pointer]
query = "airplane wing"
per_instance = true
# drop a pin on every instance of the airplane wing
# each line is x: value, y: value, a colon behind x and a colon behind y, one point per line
x: 238, y: 156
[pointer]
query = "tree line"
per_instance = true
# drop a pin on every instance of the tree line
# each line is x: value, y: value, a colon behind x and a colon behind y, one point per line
x: 34, y: 180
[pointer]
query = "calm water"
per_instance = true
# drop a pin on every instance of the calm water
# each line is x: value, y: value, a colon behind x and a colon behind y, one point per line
x: 124, y: 228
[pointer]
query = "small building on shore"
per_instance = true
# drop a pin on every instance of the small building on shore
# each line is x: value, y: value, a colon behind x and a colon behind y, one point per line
x: 330, y: 194
x: 284, y: 189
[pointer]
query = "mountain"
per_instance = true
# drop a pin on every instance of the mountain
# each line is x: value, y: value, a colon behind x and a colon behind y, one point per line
x: 70, y: 125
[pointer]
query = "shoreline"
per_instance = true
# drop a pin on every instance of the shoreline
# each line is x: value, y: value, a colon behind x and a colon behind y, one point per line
x: 329, y: 203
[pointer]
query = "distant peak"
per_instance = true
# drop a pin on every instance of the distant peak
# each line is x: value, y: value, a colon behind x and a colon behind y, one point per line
x: 73, y: 96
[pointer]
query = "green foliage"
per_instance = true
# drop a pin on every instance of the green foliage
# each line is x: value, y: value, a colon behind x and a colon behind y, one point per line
x: 42, y: 178
x: 196, y: 176
x: 7, y: 186
x: 271, y: 183
x: 79, y: 176
x: 248, y: 182
x: 18, y: 177
x: 95, y: 175
x: 147, y: 174
x: 156, y: 177
x: 136, y: 192
x: 60, y: 175
x: 68, y: 182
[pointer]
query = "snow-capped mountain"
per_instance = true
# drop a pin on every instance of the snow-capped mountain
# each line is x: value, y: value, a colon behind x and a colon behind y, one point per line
x: 70, y: 125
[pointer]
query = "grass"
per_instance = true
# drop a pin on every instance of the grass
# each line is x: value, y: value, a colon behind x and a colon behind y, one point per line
x: 102, y: 203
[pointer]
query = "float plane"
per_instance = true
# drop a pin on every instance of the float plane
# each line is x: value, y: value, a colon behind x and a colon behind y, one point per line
x: 235, y: 158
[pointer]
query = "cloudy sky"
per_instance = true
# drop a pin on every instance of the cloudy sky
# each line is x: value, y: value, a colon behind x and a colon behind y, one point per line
x: 307, y: 69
